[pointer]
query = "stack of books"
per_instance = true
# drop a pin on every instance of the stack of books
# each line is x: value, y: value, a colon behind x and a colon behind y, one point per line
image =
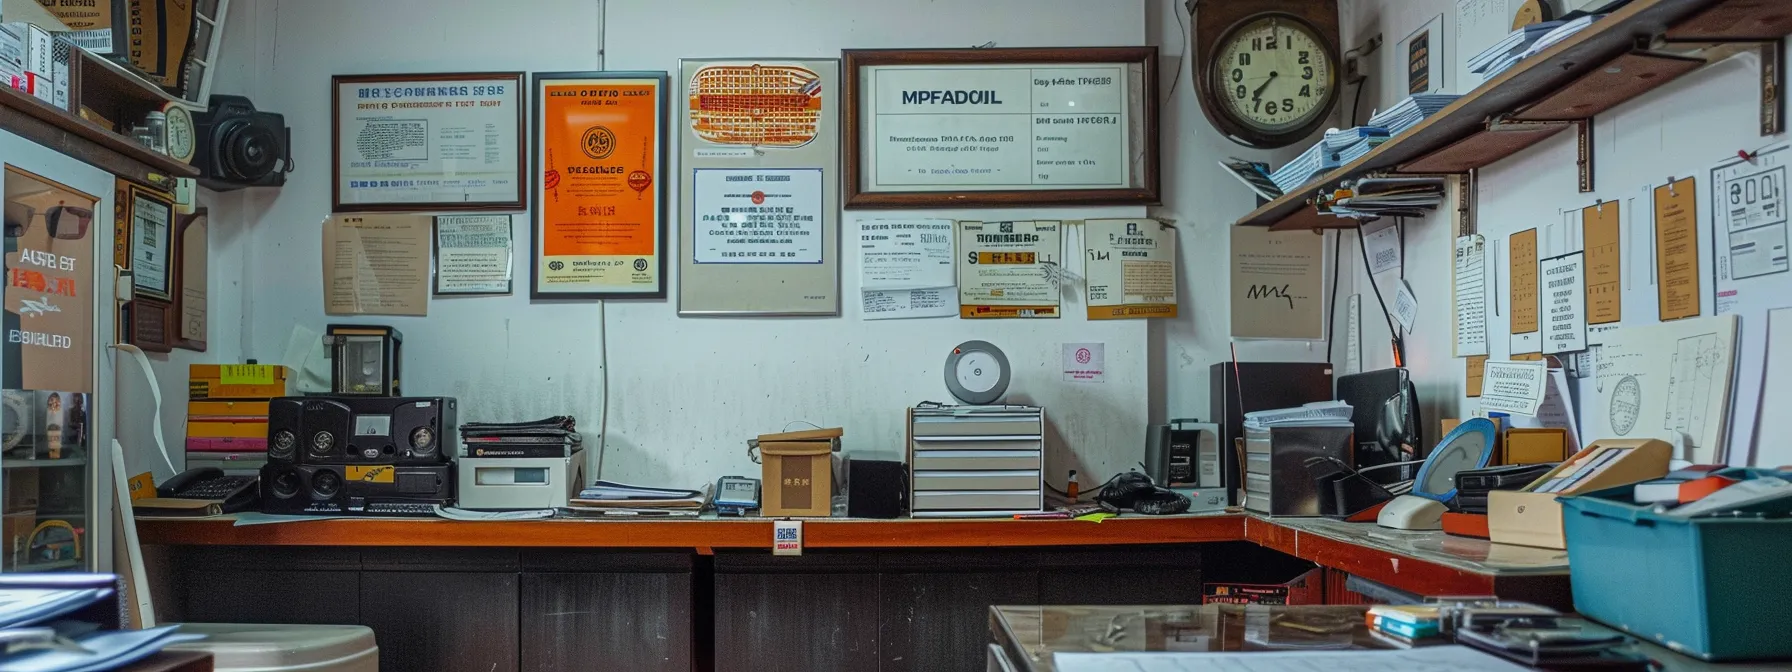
x: 227, y: 415
x: 1504, y: 53
x: 608, y: 498
x: 1405, y: 626
x: 976, y: 461
x: 1408, y: 113
x: 1310, y: 164
x: 1352, y: 143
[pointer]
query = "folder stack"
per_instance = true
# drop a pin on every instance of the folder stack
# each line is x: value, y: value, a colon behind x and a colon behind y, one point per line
x: 1506, y: 52
x: 227, y: 415
x: 1408, y: 113
x: 976, y: 461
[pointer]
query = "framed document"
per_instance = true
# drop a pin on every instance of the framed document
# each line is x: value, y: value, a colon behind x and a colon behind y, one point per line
x: 600, y: 152
x: 472, y: 254
x: 192, y: 252
x: 942, y: 128
x: 152, y: 245
x: 409, y: 143
x: 760, y: 229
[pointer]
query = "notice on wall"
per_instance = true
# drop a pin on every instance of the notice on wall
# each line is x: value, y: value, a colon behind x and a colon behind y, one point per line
x: 1605, y: 294
x: 1469, y: 281
x: 898, y: 304
x: 906, y: 269
x: 1749, y: 278
x: 1131, y: 268
x: 1406, y: 306
x: 1522, y: 248
x: 376, y: 265
x: 1477, y: 373
x: 1278, y: 284
x: 473, y: 254
x: 1383, y: 249
x: 1564, y: 303
x: 757, y: 216
x: 1677, y: 250
x: 1514, y: 387
x: 1005, y: 269
x: 1085, y: 363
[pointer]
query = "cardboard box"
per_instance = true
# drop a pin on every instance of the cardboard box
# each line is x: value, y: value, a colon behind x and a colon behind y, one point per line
x: 1529, y: 518
x: 1537, y: 445
x: 797, y: 469
x: 236, y: 381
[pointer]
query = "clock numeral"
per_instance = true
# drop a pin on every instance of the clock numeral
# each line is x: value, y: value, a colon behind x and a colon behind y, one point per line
x: 1244, y: 58
x: 1257, y: 104
x: 1256, y: 44
x: 1241, y: 92
x: 1306, y: 90
x: 1237, y: 75
x: 1306, y: 72
x: 1270, y: 108
x: 1306, y: 57
x: 1288, y: 41
x: 1270, y: 45
x: 1288, y: 104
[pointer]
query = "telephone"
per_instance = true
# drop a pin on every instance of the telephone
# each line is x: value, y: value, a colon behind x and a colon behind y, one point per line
x: 238, y: 493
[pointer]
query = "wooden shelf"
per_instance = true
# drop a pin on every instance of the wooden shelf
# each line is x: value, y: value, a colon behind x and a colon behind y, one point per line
x: 1582, y: 58
x: 47, y: 125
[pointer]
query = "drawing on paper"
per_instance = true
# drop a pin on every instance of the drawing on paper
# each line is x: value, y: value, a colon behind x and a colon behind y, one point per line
x: 1627, y: 403
x: 1695, y: 369
x: 755, y: 105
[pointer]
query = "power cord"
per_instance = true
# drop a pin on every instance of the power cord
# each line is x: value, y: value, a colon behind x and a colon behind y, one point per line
x: 1399, y: 343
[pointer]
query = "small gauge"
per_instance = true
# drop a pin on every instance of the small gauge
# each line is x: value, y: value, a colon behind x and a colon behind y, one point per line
x: 977, y: 372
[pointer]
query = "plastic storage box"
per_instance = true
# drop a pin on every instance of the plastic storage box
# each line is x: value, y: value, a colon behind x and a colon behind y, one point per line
x: 1714, y: 588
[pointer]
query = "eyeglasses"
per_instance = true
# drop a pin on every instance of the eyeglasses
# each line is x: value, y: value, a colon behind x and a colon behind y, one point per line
x: 66, y: 222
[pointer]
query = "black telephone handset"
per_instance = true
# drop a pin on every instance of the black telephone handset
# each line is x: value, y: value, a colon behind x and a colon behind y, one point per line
x: 237, y: 492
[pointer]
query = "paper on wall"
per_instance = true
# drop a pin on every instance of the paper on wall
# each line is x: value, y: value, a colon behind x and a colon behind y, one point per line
x: 906, y: 269
x: 1748, y: 211
x: 1556, y: 411
x: 1564, y: 303
x: 1668, y: 381
x: 1677, y: 250
x: 1477, y: 373
x: 1353, y: 335
x: 1406, y: 306
x: 1277, y: 284
x: 1522, y: 254
x: 898, y: 304
x: 1517, y: 388
x: 376, y: 264
x: 1085, y: 363
x: 1130, y: 268
x: 1383, y: 249
x: 1469, y: 283
x: 1006, y: 269
x: 1605, y: 296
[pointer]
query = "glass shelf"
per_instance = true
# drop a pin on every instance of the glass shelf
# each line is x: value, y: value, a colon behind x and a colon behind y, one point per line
x: 22, y: 463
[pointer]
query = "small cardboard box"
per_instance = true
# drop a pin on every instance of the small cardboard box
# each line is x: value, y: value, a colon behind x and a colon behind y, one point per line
x: 1529, y: 518
x: 1535, y: 445
x: 798, y: 472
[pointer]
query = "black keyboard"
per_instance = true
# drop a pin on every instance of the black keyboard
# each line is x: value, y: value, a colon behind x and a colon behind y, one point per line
x: 218, y: 488
x: 400, y: 509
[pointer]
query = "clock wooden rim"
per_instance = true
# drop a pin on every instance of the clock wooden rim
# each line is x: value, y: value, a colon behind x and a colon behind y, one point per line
x: 1240, y: 131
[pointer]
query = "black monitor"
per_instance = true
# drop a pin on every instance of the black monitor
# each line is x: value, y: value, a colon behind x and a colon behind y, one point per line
x: 1385, y: 409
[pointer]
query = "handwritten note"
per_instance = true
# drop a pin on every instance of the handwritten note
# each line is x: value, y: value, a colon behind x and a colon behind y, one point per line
x: 1565, y: 296
x: 1677, y: 250
x: 1470, y: 285
x: 1605, y: 295
x: 1278, y: 284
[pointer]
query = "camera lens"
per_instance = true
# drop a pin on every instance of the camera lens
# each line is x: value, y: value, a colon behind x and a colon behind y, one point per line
x: 249, y: 150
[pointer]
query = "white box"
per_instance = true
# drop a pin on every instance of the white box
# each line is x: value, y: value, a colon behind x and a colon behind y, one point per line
x: 12, y: 58
x: 519, y: 482
x: 36, y: 50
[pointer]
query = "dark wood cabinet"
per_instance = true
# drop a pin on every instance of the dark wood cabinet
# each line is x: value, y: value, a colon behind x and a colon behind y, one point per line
x: 625, y: 611
x: 442, y: 621
x: 938, y: 621
x: 816, y: 612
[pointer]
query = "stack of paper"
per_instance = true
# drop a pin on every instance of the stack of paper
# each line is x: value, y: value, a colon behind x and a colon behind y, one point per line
x: 1513, y: 44
x: 1310, y: 164
x: 1350, y: 144
x: 1254, y: 174
x: 611, y: 498
x: 1408, y: 113
x: 1371, y: 198
x: 1315, y: 414
x: 52, y: 623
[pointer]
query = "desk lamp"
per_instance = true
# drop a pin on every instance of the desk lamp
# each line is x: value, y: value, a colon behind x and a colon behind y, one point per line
x: 1469, y: 446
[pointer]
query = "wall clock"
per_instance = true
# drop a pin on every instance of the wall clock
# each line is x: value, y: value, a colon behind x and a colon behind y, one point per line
x: 1266, y: 71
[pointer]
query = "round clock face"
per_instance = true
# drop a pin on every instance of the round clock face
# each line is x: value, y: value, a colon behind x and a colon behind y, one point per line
x: 1274, y: 74
x: 979, y: 371
x: 181, y: 141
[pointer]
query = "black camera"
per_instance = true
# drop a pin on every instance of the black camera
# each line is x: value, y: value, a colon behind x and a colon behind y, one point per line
x: 240, y: 147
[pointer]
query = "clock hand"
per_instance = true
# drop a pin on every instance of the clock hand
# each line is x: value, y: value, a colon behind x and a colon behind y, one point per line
x: 1258, y: 94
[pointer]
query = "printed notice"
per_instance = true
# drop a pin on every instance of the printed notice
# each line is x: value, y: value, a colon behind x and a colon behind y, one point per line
x: 1514, y: 387
x: 376, y: 265
x: 1605, y: 295
x: 905, y: 268
x: 1406, y: 306
x: 757, y: 216
x: 1470, y: 284
x: 1523, y: 281
x: 1383, y: 249
x: 1131, y: 268
x: 1751, y: 240
x: 1278, y: 284
x: 1477, y: 373
x: 429, y: 141
x: 898, y: 304
x: 1564, y: 303
x: 1677, y: 250
x: 1008, y: 126
x: 1005, y: 269
x: 1085, y: 363
x: 473, y: 254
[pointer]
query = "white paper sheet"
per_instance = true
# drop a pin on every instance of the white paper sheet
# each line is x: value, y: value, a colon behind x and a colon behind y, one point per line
x: 1471, y: 295
x: 1668, y: 381
x: 1353, y: 335
x: 1384, y: 249
x: 899, y: 304
x: 1749, y: 231
x: 1776, y: 391
x: 906, y: 269
x: 1424, y: 659
x: 1563, y: 289
x: 1514, y: 387
x: 1085, y: 363
x: 1556, y: 411
x: 1406, y: 306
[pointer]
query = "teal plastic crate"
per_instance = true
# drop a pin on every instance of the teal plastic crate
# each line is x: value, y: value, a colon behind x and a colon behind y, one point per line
x: 1715, y: 588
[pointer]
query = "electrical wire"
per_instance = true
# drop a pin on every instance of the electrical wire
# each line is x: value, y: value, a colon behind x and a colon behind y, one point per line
x: 1399, y: 349
x: 1331, y: 314
x: 1177, y: 78
x: 603, y: 410
x: 1356, y: 102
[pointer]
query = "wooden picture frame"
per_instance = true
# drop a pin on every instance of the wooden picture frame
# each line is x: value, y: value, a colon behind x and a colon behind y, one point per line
x: 927, y: 165
x: 587, y: 185
x: 191, y: 308
x: 148, y: 206
x: 431, y: 96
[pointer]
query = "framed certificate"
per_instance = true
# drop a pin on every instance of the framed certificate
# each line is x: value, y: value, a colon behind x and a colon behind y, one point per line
x: 409, y: 143
x: 600, y: 217
x: 152, y: 244
x: 942, y: 128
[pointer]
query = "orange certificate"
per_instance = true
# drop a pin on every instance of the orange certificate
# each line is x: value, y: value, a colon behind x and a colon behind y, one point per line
x: 600, y: 153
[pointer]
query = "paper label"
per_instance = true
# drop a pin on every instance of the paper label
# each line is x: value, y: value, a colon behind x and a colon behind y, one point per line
x: 246, y: 374
x: 1406, y: 306
x: 383, y: 473
x: 1085, y: 363
x: 1514, y: 387
x: 787, y: 537
x: 143, y: 486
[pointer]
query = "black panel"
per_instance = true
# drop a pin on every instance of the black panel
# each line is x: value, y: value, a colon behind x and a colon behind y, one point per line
x: 278, y: 596
x: 442, y: 622
x: 938, y: 622
x: 636, y: 621
x: 795, y: 622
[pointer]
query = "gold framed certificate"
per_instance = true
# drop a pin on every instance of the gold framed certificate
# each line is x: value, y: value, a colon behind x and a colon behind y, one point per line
x: 942, y: 128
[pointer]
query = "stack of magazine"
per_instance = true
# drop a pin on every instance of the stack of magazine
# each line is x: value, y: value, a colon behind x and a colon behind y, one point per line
x: 1408, y: 113
x: 609, y: 498
x: 1506, y: 52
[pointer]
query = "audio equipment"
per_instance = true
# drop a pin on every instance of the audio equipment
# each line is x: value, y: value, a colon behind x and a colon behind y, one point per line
x: 876, y: 488
x: 362, y: 430
x: 330, y: 489
x: 240, y: 146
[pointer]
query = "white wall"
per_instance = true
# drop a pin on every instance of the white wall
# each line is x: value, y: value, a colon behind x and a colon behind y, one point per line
x: 1680, y: 129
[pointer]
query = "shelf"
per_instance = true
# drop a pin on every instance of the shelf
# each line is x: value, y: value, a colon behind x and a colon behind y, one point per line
x: 20, y: 463
x: 52, y: 566
x: 50, y: 126
x: 1580, y: 62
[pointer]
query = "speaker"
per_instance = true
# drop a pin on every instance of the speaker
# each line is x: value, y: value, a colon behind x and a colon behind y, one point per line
x: 362, y: 430
x: 876, y: 488
x: 362, y: 489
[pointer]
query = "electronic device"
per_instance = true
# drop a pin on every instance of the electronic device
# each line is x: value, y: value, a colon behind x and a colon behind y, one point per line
x: 520, y: 482
x: 1184, y: 454
x: 1266, y: 71
x: 1503, y: 477
x: 977, y: 373
x: 365, y: 359
x: 1385, y: 410
x: 237, y: 493
x: 1239, y: 388
x: 736, y: 495
x: 362, y: 430
x: 1469, y: 446
x: 240, y: 146
x: 1279, y: 477
x: 876, y: 488
x: 381, y: 490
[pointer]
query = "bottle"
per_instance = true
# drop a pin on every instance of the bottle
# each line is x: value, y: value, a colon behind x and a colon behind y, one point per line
x: 1071, y: 487
x: 156, y: 125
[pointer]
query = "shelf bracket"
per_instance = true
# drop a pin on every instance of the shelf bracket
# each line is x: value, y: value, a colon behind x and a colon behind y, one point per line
x: 1465, y: 204
x: 1773, y: 77
x: 1583, y: 156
